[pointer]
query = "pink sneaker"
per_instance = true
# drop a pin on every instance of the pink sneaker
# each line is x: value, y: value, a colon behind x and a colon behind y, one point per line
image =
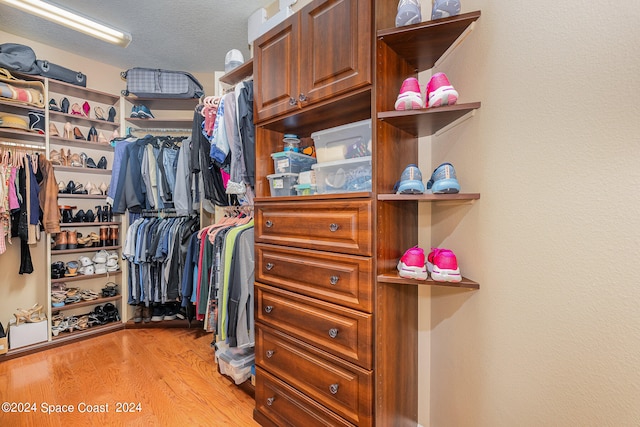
x: 443, y: 265
x: 410, y: 96
x: 440, y: 92
x: 411, y: 265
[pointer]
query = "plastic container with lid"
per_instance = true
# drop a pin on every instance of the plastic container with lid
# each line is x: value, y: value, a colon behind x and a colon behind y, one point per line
x: 282, y: 184
x: 305, y: 189
x: 291, y: 142
x: 291, y: 162
x: 348, y: 141
x: 344, y: 176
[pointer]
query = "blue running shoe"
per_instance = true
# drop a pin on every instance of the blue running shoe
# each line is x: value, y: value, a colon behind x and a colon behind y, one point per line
x: 445, y: 8
x: 408, y: 13
x: 443, y: 180
x: 144, y: 112
x: 134, y: 111
x: 410, y: 181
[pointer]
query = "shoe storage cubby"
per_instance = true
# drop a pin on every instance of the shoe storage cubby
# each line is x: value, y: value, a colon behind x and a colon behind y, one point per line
x: 331, y: 259
x: 170, y: 114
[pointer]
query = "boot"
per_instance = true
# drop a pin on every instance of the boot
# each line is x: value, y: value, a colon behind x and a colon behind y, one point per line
x: 72, y: 239
x: 67, y: 214
x: 99, y: 214
x: 113, y: 235
x: 61, y: 241
x: 109, y: 211
x: 104, y: 236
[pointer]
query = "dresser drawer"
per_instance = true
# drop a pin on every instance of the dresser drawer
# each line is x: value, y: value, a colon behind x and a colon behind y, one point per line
x: 335, y: 226
x: 342, y: 279
x: 342, y: 387
x: 286, y: 406
x: 339, y: 330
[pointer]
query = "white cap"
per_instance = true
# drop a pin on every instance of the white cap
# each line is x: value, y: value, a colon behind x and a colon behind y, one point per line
x: 232, y: 60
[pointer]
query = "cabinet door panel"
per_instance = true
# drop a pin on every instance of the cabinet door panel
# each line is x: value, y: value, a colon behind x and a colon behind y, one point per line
x: 276, y: 69
x: 341, y: 387
x: 338, y: 330
x: 336, y: 40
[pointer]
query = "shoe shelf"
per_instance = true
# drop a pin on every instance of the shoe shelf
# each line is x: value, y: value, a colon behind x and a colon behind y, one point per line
x: 161, y: 123
x: 18, y: 109
x: 427, y: 121
x: 238, y: 74
x: 82, y: 250
x: 86, y: 303
x: 75, y: 119
x: 82, y: 197
x: 94, y: 330
x: 95, y: 171
x: 81, y: 277
x: 430, y: 197
x: 80, y: 143
x: 162, y: 104
x: 395, y: 279
x: 83, y: 93
x: 86, y: 224
x: 421, y: 45
x: 22, y: 136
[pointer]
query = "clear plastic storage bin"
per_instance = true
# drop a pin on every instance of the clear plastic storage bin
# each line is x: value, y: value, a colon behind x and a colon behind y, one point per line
x: 343, y: 142
x: 291, y: 162
x: 305, y: 189
x: 237, y: 363
x: 344, y: 176
x: 282, y: 184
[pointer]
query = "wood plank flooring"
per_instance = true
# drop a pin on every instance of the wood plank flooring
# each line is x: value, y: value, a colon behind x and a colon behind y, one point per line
x: 170, y: 373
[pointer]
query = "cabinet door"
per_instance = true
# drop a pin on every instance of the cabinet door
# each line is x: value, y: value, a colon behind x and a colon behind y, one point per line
x: 335, y: 48
x: 276, y: 70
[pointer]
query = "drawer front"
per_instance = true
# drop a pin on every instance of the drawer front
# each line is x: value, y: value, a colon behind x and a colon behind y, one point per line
x: 334, y: 226
x: 341, y: 279
x: 285, y: 406
x: 340, y: 386
x: 341, y: 331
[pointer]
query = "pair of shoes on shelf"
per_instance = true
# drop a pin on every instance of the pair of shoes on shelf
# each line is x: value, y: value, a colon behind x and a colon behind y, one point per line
x: 441, y: 264
x: 141, y: 112
x: 66, y: 240
x: 100, y: 114
x: 409, y: 11
x: 76, y: 110
x: 439, y: 92
x: 443, y: 181
x: 71, y: 188
x: 30, y: 315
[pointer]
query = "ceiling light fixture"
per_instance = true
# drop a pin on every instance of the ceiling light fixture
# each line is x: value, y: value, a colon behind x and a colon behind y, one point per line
x: 71, y: 20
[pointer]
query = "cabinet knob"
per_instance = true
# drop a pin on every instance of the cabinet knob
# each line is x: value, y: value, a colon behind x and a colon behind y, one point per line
x: 292, y: 101
x: 268, y: 309
x: 303, y: 97
x: 334, y: 280
x: 270, y: 354
x: 269, y: 224
x: 270, y: 401
x: 333, y: 332
x: 333, y: 388
x: 270, y: 266
x: 333, y: 227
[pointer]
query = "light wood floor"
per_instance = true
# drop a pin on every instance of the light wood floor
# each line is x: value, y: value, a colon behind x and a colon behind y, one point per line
x: 171, y: 373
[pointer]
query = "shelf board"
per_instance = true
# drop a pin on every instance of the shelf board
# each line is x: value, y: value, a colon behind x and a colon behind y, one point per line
x: 331, y: 196
x: 69, y: 90
x: 22, y: 136
x: 86, y: 224
x: 19, y: 108
x: 238, y: 74
x: 163, y: 103
x: 97, y: 301
x: 181, y: 124
x: 80, y: 143
x: 77, y: 120
x: 95, y: 330
x: 426, y: 121
x: 83, y: 250
x: 81, y: 277
x: 81, y: 196
x: 95, y: 171
x: 430, y: 197
x: 395, y: 279
x: 423, y: 44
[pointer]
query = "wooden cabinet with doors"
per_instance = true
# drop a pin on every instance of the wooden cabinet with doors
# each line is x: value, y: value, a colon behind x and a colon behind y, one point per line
x: 322, y: 51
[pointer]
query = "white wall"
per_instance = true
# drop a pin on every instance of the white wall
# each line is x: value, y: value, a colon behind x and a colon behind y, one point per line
x: 552, y: 338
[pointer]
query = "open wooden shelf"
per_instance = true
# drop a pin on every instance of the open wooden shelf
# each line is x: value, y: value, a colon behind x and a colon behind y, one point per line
x: 81, y: 277
x: 20, y: 109
x: 238, y: 74
x: 94, y: 171
x: 427, y: 121
x: 80, y: 143
x: 162, y: 104
x: 79, y: 304
x: 82, y: 250
x: 78, y: 120
x: 22, y: 136
x: 86, y: 224
x: 394, y: 278
x: 430, y: 197
x: 185, y: 124
x: 94, y: 330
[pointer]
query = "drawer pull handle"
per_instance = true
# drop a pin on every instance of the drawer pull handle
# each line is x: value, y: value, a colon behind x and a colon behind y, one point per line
x: 292, y: 101
x: 333, y: 332
x: 333, y: 388
x: 270, y: 354
x: 334, y: 280
x: 303, y: 97
x: 270, y: 401
x: 333, y: 227
x: 268, y: 309
x: 270, y: 266
x: 269, y: 224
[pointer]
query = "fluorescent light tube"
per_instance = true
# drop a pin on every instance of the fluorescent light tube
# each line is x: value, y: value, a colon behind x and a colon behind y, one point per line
x: 71, y: 20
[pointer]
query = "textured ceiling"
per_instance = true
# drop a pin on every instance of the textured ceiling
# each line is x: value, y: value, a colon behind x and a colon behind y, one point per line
x: 189, y: 35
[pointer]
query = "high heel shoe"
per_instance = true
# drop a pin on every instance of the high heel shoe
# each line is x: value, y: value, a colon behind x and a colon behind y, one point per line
x: 53, y: 106
x: 75, y: 109
x: 99, y: 112
x: 86, y: 109
x: 55, y: 158
x: 64, y: 105
x: 103, y: 188
x: 75, y: 160
x: 98, y: 213
x: 92, y: 190
x: 112, y: 114
x: 77, y: 133
x: 102, y: 139
x: 53, y: 130
x: 92, y: 135
x: 102, y: 163
x: 68, y: 131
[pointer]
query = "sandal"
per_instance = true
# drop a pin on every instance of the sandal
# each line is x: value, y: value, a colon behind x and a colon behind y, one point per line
x: 75, y: 109
x: 99, y: 112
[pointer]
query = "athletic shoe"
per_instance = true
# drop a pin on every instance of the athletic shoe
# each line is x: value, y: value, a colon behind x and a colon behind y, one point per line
x: 440, y: 92
x: 171, y: 312
x: 158, y: 313
x: 410, y: 181
x: 443, y: 265
x: 144, y: 112
x: 443, y: 180
x: 409, y: 12
x: 445, y: 8
x: 134, y: 111
x: 411, y: 265
x: 410, y: 96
